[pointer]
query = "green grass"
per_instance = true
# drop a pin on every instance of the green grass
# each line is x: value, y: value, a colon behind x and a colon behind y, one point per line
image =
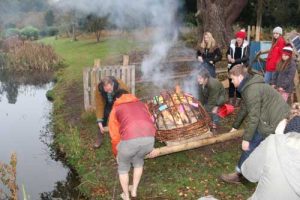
x: 80, y: 54
x: 185, y: 175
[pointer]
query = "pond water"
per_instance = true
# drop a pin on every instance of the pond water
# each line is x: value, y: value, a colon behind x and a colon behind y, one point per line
x: 25, y: 129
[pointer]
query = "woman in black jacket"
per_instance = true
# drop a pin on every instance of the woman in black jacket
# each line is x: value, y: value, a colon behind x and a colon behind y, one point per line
x: 237, y: 53
x: 208, y: 53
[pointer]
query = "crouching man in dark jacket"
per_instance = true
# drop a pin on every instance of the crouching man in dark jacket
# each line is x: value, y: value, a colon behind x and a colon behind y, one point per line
x: 263, y: 106
x: 212, y: 94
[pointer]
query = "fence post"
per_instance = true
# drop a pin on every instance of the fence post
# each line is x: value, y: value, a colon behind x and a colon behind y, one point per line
x: 125, y: 60
x: 86, y: 89
x: 97, y: 62
x: 253, y: 31
x: 248, y: 33
x: 94, y: 81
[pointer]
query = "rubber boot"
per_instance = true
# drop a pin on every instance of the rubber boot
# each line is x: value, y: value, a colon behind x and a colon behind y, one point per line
x: 234, y: 177
x: 99, y: 140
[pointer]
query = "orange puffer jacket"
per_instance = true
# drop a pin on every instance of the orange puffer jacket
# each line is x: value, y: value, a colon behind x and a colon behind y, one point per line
x: 129, y: 119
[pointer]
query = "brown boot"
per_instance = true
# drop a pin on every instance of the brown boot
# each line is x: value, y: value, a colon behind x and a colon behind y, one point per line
x: 232, y: 178
x: 237, y: 102
x: 99, y: 141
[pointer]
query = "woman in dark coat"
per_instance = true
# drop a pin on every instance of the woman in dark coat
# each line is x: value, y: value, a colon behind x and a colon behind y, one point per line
x: 283, y: 78
x: 208, y: 53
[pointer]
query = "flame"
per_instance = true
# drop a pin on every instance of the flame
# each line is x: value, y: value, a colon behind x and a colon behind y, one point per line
x: 177, y: 89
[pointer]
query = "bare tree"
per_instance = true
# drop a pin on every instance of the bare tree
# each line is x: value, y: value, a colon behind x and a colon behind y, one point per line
x: 96, y: 24
x: 218, y: 16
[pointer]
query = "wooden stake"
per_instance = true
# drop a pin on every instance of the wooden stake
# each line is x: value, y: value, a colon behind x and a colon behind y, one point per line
x: 198, y: 143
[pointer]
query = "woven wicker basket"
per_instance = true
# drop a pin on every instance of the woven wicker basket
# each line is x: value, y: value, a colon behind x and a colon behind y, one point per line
x: 185, y: 131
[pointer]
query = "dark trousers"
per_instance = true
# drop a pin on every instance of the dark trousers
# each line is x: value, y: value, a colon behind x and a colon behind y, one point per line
x: 257, y: 138
x: 107, y: 110
x: 233, y: 90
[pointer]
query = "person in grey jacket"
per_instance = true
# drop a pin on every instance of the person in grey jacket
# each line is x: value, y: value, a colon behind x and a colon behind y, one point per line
x: 285, y: 72
x: 275, y: 165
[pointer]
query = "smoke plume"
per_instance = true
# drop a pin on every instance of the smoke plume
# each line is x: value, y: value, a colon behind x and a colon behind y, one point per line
x: 160, y: 15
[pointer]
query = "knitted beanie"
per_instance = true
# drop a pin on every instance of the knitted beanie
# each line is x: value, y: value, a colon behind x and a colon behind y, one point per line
x: 241, y: 34
x: 293, y: 125
x: 277, y: 30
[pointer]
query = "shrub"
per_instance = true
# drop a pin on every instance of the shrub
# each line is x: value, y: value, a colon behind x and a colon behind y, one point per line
x: 30, y: 56
x: 29, y: 33
x: 10, y: 32
x: 52, y: 31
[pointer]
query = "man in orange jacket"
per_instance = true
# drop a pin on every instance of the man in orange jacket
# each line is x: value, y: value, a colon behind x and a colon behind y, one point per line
x: 132, y: 134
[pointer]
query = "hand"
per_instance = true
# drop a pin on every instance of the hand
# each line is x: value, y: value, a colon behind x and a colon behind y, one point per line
x: 233, y: 129
x: 229, y: 58
x: 280, y: 89
x: 101, y: 127
x: 153, y: 153
x: 211, y: 62
x: 232, y: 60
x: 273, y: 86
x: 258, y: 53
x: 200, y: 59
x: 245, y: 145
x: 215, y: 109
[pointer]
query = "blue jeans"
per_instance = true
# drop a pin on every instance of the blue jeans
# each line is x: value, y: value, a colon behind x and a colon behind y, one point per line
x: 215, y: 118
x: 268, y: 77
x: 257, y: 138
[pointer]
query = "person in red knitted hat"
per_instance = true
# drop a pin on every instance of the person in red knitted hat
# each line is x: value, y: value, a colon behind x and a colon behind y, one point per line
x: 237, y: 53
x: 240, y: 34
x: 285, y: 73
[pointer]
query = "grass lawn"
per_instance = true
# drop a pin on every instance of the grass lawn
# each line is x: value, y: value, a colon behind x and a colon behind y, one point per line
x: 185, y: 175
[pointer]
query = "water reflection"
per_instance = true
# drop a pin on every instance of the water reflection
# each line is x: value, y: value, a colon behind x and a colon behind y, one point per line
x: 25, y: 129
x: 64, y: 189
x: 11, y: 81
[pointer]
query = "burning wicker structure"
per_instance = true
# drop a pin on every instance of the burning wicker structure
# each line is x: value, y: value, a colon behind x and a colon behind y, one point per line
x: 178, y: 116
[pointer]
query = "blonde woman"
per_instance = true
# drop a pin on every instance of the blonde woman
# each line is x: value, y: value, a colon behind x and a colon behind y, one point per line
x: 208, y: 53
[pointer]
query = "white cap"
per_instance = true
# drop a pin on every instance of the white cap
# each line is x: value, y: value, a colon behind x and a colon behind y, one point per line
x: 287, y: 48
x: 277, y: 30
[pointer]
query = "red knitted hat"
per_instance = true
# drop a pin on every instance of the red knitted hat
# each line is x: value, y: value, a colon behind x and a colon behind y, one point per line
x: 241, y: 34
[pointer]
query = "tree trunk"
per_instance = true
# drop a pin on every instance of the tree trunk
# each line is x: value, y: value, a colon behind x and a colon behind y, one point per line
x: 74, y: 38
x: 98, y: 34
x: 218, y: 16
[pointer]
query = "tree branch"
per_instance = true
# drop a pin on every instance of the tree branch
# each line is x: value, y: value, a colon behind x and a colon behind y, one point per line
x: 234, y: 9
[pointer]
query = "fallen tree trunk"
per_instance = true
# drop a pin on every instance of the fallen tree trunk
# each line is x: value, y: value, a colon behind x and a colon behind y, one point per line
x: 198, y: 143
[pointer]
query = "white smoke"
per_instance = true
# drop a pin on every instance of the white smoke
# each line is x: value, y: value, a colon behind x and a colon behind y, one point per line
x: 158, y: 14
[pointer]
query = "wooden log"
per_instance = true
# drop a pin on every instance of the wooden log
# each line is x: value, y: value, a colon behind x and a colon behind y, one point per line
x: 198, y: 143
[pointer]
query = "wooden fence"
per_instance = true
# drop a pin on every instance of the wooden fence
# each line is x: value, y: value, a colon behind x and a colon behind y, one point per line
x: 93, y: 75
